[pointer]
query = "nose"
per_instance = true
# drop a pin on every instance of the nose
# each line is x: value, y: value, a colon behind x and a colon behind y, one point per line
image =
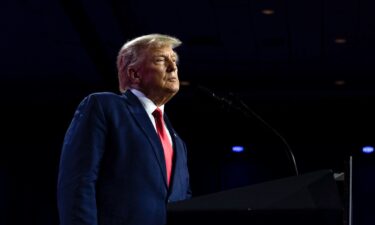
x: 172, y: 65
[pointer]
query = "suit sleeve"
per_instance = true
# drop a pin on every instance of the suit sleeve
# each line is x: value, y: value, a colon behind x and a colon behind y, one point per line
x: 81, y: 154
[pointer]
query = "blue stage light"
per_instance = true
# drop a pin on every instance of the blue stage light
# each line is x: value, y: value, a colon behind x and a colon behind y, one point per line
x: 368, y: 149
x: 238, y: 148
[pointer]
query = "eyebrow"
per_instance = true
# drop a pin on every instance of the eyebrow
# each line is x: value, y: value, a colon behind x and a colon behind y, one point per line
x: 175, y: 55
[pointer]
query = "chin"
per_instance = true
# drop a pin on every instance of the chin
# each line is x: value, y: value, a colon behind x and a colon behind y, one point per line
x: 174, y: 89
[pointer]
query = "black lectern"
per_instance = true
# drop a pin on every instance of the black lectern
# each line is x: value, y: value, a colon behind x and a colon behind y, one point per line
x: 311, y: 198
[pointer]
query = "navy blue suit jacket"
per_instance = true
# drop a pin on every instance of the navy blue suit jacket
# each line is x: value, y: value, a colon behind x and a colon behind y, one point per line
x: 112, y: 169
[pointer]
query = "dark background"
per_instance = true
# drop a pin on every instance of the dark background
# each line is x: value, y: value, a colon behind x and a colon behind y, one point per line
x: 307, y: 70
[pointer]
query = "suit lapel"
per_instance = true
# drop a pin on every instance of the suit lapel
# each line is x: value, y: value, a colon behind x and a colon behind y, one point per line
x: 175, y: 148
x: 141, y: 117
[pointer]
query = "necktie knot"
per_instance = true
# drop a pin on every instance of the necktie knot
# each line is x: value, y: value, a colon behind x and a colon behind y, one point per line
x: 158, y: 114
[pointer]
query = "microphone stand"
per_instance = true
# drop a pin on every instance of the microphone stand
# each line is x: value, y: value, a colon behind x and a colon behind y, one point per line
x: 248, y: 112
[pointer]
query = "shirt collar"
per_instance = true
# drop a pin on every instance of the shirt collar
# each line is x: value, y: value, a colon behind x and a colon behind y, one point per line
x: 146, y: 102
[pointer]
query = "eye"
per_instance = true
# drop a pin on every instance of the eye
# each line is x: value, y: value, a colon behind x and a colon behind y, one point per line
x: 159, y: 59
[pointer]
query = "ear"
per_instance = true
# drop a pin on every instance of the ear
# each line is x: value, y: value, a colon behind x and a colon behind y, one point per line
x: 134, y: 76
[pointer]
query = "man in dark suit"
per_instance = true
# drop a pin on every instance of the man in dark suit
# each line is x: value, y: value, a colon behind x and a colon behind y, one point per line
x: 115, y: 164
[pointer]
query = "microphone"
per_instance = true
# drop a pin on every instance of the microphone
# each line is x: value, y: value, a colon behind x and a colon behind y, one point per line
x: 216, y: 97
x: 248, y: 112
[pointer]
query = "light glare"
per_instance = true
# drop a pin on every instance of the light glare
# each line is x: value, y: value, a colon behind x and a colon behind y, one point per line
x: 368, y: 149
x: 238, y: 148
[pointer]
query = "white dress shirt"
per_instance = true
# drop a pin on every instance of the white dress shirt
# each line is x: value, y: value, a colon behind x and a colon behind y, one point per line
x: 150, y: 107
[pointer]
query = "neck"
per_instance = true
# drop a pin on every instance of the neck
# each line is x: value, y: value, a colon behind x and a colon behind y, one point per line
x: 159, y: 100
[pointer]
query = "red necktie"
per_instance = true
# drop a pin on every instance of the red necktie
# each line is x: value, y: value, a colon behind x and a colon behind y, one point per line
x: 167, y: 146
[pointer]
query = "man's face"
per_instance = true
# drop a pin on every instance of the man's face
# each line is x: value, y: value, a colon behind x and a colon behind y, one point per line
x: 158, y: 72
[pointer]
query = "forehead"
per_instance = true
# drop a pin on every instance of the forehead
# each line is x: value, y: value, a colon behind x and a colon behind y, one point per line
x: 161, y: 50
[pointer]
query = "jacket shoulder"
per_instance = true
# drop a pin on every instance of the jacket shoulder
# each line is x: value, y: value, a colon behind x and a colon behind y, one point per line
x: 103, y: 97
